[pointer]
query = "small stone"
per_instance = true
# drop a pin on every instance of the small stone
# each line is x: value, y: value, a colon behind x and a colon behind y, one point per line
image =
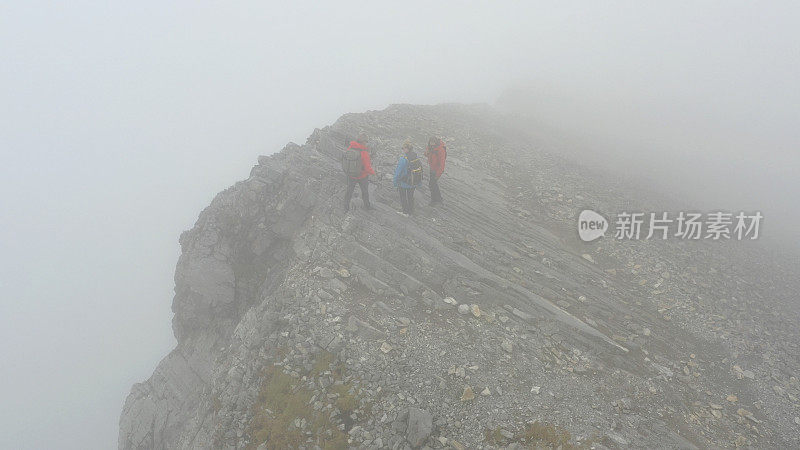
x: 536, y: 389
x: 797, y: 420
x: 714, y: 406
x: 450, y: 301
x: 646, y: 332
x: 486, y: 392
x: 385, y: 347
x: 325, y: 272
x: 457, y: 445
x: 731, y: 398
x: 463, y: 309
x: 588, y: 257
x: 344, y: 273
x: 476, y: 310
x: 467, y: 395
x: 507, y: 346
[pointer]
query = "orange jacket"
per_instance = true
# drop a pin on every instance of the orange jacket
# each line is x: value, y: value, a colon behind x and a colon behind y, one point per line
x: 368, y: 170
x: 436, y: 157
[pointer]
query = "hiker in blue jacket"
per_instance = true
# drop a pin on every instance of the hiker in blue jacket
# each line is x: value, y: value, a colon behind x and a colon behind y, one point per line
x: 407, y: 177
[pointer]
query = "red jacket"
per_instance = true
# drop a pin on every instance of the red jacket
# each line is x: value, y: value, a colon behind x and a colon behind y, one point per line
x: 368, y: 170
x: 436, y: 158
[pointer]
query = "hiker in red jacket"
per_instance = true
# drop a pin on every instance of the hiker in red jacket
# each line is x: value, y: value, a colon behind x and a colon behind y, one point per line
x: 436, y: 154
x: 357, y: 167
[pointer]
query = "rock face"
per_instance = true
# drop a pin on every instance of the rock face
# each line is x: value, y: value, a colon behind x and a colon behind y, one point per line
x: 301, y: 326
x: 420, y: 424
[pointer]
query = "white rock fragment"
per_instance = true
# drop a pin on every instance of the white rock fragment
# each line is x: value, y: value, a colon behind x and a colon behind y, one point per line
x: 476, y: 310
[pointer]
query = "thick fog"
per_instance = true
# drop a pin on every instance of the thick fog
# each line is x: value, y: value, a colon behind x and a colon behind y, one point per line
x: 120, y: 121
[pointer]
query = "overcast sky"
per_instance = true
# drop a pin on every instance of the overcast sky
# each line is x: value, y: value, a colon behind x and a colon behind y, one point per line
x: 121, y: 120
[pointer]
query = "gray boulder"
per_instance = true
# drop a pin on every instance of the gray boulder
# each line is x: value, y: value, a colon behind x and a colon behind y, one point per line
x: 420, y: 425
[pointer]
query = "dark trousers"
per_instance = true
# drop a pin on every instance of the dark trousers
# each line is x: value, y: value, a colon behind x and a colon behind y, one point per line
x: 407, y: 199
x: 433, y: 184
x: 351, y: 186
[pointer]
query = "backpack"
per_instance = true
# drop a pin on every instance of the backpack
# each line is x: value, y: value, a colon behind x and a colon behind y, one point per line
x: 413, y: 170
x: 351, y: 163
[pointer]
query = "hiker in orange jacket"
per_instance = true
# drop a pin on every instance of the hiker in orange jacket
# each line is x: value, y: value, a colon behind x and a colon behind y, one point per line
x: 436, y: 153
x: 359, y: 145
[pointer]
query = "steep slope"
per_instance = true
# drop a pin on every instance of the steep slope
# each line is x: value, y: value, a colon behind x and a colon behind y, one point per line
x: 299, y: 325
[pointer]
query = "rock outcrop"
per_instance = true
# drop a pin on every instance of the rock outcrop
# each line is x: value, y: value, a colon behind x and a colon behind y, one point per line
x: 301, y: 326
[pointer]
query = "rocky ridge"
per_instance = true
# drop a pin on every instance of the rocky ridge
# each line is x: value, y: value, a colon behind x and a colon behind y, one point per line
x: 484, y: 324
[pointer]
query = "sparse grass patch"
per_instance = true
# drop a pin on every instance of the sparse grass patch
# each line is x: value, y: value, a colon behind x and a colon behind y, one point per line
x: 545, y: 435
x: 536, y: 435
x: 346, y: 402
x: 280, y: 401
x: 494, y: 437
x: 323, y: 363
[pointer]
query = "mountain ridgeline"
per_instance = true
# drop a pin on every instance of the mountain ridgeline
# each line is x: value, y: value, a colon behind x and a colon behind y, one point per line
x: 485, y: 323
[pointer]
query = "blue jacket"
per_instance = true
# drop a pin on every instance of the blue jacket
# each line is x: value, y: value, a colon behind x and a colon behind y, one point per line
x: 401, y: 170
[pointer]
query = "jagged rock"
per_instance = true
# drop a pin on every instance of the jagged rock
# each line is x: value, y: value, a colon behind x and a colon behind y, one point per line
x: 476, y: 310
x: 275, y: 284
x: 363, y: 329
x: 747, y: 414
x: 420, y: 425
x: 468, y: 394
